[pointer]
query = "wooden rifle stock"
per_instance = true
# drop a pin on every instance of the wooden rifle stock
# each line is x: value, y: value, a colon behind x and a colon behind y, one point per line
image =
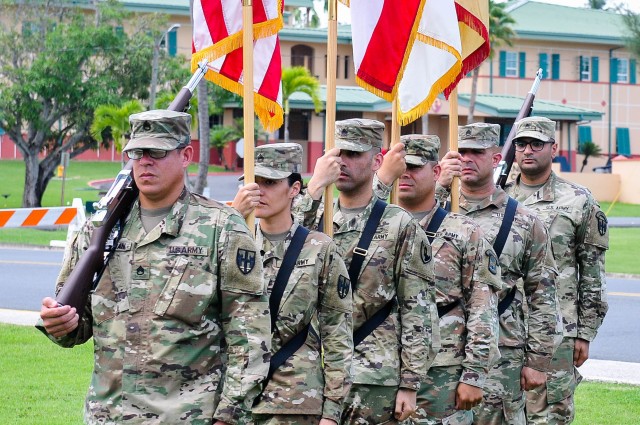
x: 501, y: 173
x: 112, y: 208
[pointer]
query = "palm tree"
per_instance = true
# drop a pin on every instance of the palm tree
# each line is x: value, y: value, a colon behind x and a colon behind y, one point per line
x: 219, y: 137
x: 500, y: 33
x: 588, y: 149
x: 114, y: 120
x: 298, y: 79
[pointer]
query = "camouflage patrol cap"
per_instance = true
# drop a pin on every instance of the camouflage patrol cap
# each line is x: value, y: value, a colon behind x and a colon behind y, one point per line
x: 278, y: 160
x: 420, y: 148
x: 359, y: 135
x: 539, y: 128
x: 159, y: 129
x: 478, y: 135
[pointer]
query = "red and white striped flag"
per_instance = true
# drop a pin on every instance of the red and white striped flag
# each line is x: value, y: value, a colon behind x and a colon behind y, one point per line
x: 217, y: 37
x: 473, y: 21
x: 411, y: 52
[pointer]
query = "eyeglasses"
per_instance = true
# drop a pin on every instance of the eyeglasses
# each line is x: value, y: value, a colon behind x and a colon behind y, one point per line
x: 536, y: 145
x: 153, y: 153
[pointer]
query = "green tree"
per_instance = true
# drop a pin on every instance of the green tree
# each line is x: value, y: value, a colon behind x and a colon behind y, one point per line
x: 501, y: 32
x: 632, y: 39
x: 588, y: 149
x: 298, y: 79
x: 58, y: 63
x: 220, y: 138
x: 597, y: 4
x: 113, y: 122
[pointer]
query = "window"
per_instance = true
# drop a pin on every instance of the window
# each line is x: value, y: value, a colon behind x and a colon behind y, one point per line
x: 302, y: 55
x: 594, y: 69
x: 346, y: 67
x: 623, y: 70
x: 585, y: 68
x: 172, y: 41
x: 511, y: 64
x: 544, y: 64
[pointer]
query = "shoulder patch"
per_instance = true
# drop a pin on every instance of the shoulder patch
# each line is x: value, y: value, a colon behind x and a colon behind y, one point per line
x: 425, y: 252
x: 602, y: 223
x: 493, y: 262
x: 245, y: 260
x: 344, y: 285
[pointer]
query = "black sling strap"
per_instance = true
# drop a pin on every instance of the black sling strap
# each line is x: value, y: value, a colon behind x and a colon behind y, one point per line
x: 434, y: 224
x: 498, y: 246
x: 360, y: 251
x: 282, y: 278
x: 359, y: 254
x: 432, y: 229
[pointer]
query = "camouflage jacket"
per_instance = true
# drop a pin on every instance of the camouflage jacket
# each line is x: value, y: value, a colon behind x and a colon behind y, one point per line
x: 318, y: 292
x: 397, y: 265
x: 579, y: 237
x: 467, y: 272
x: 527, y: 262
x: 162, y: 311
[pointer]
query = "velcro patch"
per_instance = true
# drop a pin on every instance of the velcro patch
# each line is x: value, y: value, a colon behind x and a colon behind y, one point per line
x: 344, y: 285
x: 245, y: 260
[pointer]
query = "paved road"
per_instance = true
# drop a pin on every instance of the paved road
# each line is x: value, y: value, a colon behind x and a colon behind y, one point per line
x: 28, y: 275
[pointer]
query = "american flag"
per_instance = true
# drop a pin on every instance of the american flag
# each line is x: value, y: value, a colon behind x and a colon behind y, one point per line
x: 217, y: 37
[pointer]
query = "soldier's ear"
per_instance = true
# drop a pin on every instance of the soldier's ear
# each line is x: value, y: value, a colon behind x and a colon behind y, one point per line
x: 294, y: 190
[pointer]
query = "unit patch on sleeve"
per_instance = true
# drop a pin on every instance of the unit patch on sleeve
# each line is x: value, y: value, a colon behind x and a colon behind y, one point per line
x: 245, y: 260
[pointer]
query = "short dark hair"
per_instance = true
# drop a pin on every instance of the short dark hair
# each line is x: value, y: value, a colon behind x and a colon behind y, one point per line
x: 295, y: 177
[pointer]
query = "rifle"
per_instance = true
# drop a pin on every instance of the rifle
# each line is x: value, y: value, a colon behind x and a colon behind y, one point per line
x: 111, y: 212
x: 501, y: 173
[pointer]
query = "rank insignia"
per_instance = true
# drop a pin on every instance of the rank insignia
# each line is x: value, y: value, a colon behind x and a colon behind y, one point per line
x: 245, y: 260
x: 343, y: 286
x: 493, y: 262
x: 425, y: 252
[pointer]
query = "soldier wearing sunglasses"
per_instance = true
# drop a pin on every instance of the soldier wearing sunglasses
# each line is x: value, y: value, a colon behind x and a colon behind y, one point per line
x: 579, y: 236
x: 180, y: 318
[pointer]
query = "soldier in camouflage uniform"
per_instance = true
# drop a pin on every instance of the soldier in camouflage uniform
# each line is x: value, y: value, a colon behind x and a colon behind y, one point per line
x: 397, y: 273
x: 467, y: 282
x: 579, y: 236
x: 528, y: 331
x: 185, y: 281
x: 302, y: 391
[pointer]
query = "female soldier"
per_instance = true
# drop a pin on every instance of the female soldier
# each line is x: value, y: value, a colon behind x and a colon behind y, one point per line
x: 310, y: 299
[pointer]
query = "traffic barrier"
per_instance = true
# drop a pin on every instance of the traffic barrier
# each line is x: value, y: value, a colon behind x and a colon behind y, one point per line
x: 37, y: 217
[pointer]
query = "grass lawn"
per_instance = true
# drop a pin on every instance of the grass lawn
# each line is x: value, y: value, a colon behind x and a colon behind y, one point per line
x: 79, y: 173
x: 624, y: 244
x: 44, y: 384
x: 620, y: 210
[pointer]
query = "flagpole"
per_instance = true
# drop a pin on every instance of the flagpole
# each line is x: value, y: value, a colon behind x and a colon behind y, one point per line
x: 249, y: 107
x: 453, y: 147
x: 395, y: 138
x: 330, y: 108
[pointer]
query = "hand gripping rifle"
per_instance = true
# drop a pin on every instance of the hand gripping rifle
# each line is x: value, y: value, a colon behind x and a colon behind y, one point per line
x: 112, y: 211
x: 501, y: 173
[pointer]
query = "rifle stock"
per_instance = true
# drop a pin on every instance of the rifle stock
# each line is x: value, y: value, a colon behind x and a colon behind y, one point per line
x: 111, y: 209
x: 501, y: 173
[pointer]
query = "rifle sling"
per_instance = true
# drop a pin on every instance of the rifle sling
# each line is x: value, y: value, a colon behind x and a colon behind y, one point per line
x: 434, y: 224
x: 498, y: 246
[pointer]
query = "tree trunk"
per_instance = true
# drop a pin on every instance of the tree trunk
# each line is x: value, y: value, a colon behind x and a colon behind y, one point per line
x: 474, y: 94
x: 584, y: 163
x: 30, y: 198
x: 203, y: 130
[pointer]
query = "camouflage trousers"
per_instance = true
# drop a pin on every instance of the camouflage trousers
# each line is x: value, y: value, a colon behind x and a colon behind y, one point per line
x: 552, y: 403
x: 369, y: 405
x: 437, y: 399
x: 286, y: 419
x: 503, y: 400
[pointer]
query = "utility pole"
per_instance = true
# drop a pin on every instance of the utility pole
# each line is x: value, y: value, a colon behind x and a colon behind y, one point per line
x: 154, y: 66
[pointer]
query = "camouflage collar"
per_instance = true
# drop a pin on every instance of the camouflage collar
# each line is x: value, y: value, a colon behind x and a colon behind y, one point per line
x: 498, y: 199
x: 176, y: 217
x: 545, y: 193
x: 278, y: 250
x: 355, y: 223
x: 427, y: 219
